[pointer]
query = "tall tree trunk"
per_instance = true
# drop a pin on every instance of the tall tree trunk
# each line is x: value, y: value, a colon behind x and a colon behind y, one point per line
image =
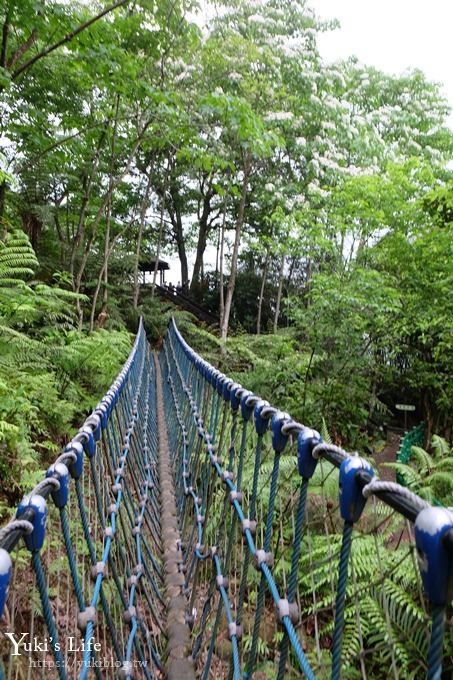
x: 221, y: 259
x: 205, y: 225
x: 87, y: 182
x: 261, y: 297
x: 181, y: 247
x: 224, y: 323
x: 198, y: 264
x: 161, y: 229
x: 105, y: 276
x: 102, y: 279
x: 2, y: 198
x: 141, y: 228
x: 98, y: 217
x: 279, y: 293
x: 174, y: 212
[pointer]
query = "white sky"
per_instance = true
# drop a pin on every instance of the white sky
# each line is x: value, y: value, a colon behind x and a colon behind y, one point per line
x: 392, y: 35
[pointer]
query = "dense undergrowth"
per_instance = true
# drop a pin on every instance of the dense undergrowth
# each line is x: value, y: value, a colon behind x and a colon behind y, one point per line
x: 51, y: 374
x: 276, y: 367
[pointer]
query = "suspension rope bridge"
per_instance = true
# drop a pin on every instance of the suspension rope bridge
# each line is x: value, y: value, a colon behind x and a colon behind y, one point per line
x: 190, y: 529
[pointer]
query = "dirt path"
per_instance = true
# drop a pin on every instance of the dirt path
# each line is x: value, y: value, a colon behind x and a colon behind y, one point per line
x: 388, y: 455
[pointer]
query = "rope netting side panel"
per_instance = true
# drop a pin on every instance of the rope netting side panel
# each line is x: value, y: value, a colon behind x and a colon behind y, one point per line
x: 297, y: 560
x: 85, y: 594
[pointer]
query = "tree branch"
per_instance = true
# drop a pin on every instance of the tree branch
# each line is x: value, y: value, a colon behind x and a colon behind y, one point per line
x: 5, y: 35
x: 67, y: 38
x: 102, y: 123
x: 22, y: 49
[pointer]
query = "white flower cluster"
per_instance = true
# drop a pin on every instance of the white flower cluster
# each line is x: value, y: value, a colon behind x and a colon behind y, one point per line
x: 279, y: 115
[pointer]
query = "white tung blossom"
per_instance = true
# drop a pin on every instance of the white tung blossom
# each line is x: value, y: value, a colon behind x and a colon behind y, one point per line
x: 315, y: 164
x: 331, y: 102
x: 313, y: 186
x: 259, y: 19
x: 279, y: 115
x: 328, y: 163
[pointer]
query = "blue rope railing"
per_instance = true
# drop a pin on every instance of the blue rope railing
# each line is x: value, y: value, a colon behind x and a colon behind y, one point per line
x: 295, y: 560
x: 96, y: 558
x: 270, y: 601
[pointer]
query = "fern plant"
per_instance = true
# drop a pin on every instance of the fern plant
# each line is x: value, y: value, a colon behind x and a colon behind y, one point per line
x: 429, y: 473
x: 17, y: 259
x: 49, y: 373
x: 385, y: 621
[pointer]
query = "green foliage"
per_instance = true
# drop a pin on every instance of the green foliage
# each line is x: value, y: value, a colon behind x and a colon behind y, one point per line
x: 381, y: 592
x: 50, y: 374
x: 17, y: 259
x: 429, y: 473
x: 271, y: 366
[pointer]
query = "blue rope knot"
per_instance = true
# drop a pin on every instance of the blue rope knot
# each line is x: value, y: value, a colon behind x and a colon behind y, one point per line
x: 6, y: 567
x: 279, y: 437
x: 307, y: 440
x: 129, y: 614
x: 60, y: 472
x: 248, y: 525
x: 352, y: 501
x: 35, y: 507
x: 221, y: 582
x: 126, y: 671
x: 435, y: 558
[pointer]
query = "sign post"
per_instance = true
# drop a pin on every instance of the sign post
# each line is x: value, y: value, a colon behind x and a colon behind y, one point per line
x: 405, y: 408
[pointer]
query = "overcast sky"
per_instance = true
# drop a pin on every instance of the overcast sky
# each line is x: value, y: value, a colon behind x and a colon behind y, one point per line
x: 392, y: 35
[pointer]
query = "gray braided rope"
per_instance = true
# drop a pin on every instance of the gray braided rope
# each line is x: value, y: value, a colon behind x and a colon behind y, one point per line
x: 66, y: 457
x: 48, y: 481
x: 377, y: 485
x: 16, y: 525
x: 326, y: 448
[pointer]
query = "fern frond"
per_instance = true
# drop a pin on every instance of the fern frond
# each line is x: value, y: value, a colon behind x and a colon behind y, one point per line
x: 17, y: 257
x: 441, y: 484
x: 445, y: 464
x: 423, y: 460
x: 439, y: 446
x: 325, y: 432
x: 23, y: 340
x: 7, y: 282
x: 412, y: 478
